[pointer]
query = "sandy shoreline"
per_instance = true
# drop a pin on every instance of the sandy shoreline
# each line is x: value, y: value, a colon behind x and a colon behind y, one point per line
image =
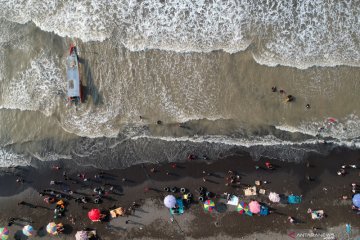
x: 152, y: 219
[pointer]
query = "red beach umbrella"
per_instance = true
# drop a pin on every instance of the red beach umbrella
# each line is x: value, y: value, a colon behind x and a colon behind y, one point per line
x: 94, y: 215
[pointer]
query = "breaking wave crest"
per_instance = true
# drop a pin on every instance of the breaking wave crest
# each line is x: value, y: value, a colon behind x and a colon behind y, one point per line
x: 36, y: 88
x: 293, y: 33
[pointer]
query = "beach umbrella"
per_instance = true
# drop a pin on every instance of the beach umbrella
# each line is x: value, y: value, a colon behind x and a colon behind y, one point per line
x: 220, y: 207
x: 209, y: 205
x: 274, y: 197
x: 94, y: 215
x: 254, y: 207
x: 4, y: 233
x: 242, y: 207
x: 170, y: 201
x: 51, y: 228
x: 28, y: 230
x: 356, y: 200
x: 81, y: 235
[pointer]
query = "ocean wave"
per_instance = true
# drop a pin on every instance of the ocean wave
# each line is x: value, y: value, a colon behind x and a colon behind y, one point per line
x: 341, y: 129
x: 9, y: 158
x: 293, y: 33
x: 265, y: 141
x: 36, y: 88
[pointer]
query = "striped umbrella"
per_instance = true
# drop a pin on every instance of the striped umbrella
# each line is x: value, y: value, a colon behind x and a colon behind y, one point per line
x: 28, y: 230
x: 243, y: 208
x: 4, y: 233
x: 51, y: 228
x: 209, y: 205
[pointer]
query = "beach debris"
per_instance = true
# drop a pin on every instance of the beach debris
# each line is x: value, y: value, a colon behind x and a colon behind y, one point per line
x: 293, y: 199
x: 51, y: 228
x: 243, y: 208
x: 356, y: 200
x: 95, y: 215
x: 257, y: 182
x: 232, y: 200
x: 250, y: 191
x: 274, y: 197
x: 28, y: 230
x: 254, y: 207
x: 170, y: 201
x: 4, y: 233
x: 209, y: 205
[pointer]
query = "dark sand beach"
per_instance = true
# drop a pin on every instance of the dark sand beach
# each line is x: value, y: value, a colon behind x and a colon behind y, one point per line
x: 151, y: 219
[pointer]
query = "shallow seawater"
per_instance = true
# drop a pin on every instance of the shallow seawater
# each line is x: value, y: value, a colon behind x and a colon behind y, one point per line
x: 204, y: 69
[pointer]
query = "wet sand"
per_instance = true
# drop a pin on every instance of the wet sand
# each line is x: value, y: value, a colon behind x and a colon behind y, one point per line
x: 152, y: 220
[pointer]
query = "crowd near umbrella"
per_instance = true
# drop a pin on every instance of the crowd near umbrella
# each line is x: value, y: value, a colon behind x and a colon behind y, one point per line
x: 356, y: 200
x: 28, y: 230
x: 209, y: 205
x: 94, y: 215
x: 170, y: 201
x: 51, y: 228
x: 274, y: 197
x: 81, y: 235
x: 4, y: 233
x: 254, y: 207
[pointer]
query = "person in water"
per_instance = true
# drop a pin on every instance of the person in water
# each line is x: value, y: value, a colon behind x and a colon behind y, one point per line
x: 289, y: 98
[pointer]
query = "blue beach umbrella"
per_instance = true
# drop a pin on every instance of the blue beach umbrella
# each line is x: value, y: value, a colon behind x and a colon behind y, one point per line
x: 356, y: 200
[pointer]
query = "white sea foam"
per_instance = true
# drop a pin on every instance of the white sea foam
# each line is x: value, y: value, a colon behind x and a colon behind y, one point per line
x: 341, y: 129
x: 266, y: 141
x: 293, y: 33
x: 9, y: 158
x: 36, y: 88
